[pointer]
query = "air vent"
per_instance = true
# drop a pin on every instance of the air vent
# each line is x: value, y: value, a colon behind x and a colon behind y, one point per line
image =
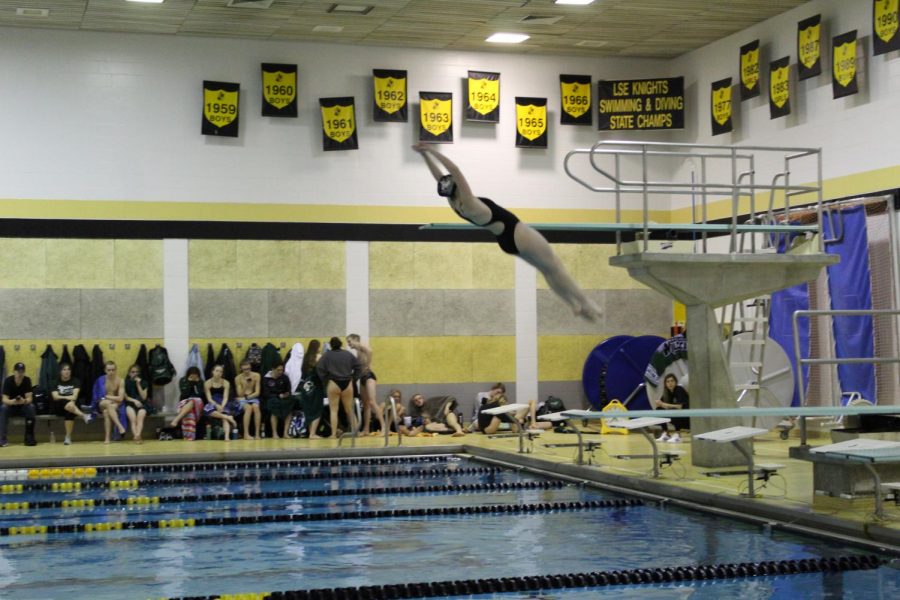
x: 350, y: 9
x: 328, y: 29
x: 32, y: 12
x: 249, y: 3
x: 591, y: 43
x: 536, y: 20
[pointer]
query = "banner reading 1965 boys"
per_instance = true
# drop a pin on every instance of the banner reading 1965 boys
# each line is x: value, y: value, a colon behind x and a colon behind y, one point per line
x: 641, y: 104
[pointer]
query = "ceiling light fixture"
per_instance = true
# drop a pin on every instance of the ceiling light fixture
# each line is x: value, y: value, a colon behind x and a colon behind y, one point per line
x: 507, y: 38
x: 577, y: 2
x: 350, y: 9
x: 147, y: 1
x: 32, y: 12
x: 328, y: 28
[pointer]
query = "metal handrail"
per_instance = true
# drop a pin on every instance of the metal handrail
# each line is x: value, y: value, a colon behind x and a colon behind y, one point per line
x: 391, y: 406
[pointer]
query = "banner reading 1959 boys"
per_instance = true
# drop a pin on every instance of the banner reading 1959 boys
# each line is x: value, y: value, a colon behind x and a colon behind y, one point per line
x: 220, y: 108
x: 641, y: 104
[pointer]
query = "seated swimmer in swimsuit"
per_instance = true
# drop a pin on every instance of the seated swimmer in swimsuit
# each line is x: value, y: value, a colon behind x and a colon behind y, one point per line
x: 513, y: 236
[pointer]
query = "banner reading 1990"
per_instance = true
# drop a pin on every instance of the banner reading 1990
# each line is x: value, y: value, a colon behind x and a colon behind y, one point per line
x: 338, y: 123
x: 885, y: 21
x: 809, y: 53
x: 279, y: 93
x: 435, y: 117
x: 484, y: 97
x: 220, y: 108
x: 843, y: 79
x: 641, y: 104
x: 575, y: 97
x: 531, y: 122
x: 390, y: 95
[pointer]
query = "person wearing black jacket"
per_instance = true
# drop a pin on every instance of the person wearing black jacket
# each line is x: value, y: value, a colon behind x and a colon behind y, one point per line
x: 337, y: 369
x: 17, y: 399
x: 81, y: 370
x: 673, y: 397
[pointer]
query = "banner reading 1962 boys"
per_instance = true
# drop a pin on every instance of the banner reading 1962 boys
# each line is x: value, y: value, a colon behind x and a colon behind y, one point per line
x: 641, y: 104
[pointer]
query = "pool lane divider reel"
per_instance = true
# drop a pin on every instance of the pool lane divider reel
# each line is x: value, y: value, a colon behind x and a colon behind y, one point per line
x: 657, y: 576
x: 614, y: 370
x: 481, y: 509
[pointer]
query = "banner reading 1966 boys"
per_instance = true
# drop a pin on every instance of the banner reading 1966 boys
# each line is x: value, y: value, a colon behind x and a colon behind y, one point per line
x: 641, y: 104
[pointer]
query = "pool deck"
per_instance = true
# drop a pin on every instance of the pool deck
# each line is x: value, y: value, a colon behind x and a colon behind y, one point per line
x: 786, y: 501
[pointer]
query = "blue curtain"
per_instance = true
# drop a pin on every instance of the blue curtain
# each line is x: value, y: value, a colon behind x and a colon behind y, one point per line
x: 849, y: 286
x: 784, y: 303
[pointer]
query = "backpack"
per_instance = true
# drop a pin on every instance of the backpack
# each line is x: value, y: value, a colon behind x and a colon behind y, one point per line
x: 254, y: 357
x: 162, y: 371
x: 554, y: 405
x: 41, y: 400
x: 297, y: 425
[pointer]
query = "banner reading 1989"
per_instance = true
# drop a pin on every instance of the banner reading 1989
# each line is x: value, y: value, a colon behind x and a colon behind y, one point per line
x: 484, y: 97
x: 531, y: 122
x: 641, y: 104
x: 338, y: 123
x: 886, y: 22
x: 220, y: 108
x: 575, y: 98
x: 843, y: 73
x: 435, y: 117
x: 279, y: 93
x: 390, y: 95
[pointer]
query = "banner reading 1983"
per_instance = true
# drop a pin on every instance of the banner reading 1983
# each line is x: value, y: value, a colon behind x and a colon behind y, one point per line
x: 531, y: 122
x: 779, y: 88
x: 390, y: 95
x: 721, y: 106
x: 885, y: 19
x: 749, y: 70
x: 843, y: 79
x: 641, y: 104
x: 809, y: 54
x: 279, y: 93
x: 435, y: 117
x: 338, y: 123
x: 220, y: 108
x: 484, y: 97
x: 575, y: 97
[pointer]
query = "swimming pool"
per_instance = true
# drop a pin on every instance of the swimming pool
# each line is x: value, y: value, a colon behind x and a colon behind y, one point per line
x: 210, y: 529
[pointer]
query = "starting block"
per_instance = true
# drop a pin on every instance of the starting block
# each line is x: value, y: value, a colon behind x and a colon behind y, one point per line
x: 640, y: 425
x: 523, y: 434
x: 733, y: 435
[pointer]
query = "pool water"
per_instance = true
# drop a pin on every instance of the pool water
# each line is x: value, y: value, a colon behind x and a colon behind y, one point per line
x: 349, y: 552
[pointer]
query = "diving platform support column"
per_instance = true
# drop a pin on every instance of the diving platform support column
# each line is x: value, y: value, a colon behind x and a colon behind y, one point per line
x: 702, y: 282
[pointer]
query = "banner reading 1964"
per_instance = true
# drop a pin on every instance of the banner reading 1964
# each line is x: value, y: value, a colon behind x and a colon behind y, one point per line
x: 749, y: 69
x: 390, y: 95
x: 843, y: 79
x: 809, y: 53
x: 279, y: 93
x: 885, y: 20
x: 575, y: 98
x: 220, y: 108
x: 779, y: 88
x: 484, y: 97
x: 338, y: 123
x: 721, y: 106
x: 531, y: 122
x: 641, y: 104
x: 435, y: 117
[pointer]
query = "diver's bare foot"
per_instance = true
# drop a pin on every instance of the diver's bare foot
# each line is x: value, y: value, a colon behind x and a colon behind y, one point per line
x: 249, y: 437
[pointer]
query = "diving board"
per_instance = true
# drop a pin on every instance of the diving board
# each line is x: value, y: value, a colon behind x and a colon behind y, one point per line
x: 638, y: 227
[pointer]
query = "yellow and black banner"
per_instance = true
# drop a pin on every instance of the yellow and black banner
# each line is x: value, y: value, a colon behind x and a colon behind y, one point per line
x: 435, y: 117
x: 531, y: 122
x: 641, y: 104
x: 780, y: 87
x: 885, y: 17
x: 390, y: 103
x: 809, y: 49
x: 843, y: 72
x: 338, y: 123
x: 575, y: 100
x: 483, y: 103
x: 279, y: 91
x: 749, y: 70
x: 721, y: 107
x: 220, y: 108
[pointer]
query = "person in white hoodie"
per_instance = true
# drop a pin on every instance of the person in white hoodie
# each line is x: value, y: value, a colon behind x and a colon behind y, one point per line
x: 293, y: 366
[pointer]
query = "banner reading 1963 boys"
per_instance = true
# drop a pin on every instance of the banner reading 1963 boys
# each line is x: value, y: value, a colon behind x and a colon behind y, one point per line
x: 641, y: 104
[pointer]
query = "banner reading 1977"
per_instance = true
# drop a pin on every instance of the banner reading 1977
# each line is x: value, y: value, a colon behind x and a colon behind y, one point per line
x: 435, y: 117
x: 279, y: 93
x: 390, y: 95
x: 721, y: 106
x: 749, y: 70
x: 575, y: 99
x: 220, y: 108
x: 641, y: 104
x: 843, y: 79
x: 484, y: 97
x: 338, y: 123
x: 885, y: 23
x: 809, y: 53
x: 531, y: 122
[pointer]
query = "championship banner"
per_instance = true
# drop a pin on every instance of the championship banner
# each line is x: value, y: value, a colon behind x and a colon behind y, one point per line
x: 575, y: 100
x: 779, y: 88
x: 435, y: 117
x: 390, y: 96
x: 749, y: 69
x: 220, y: 108
x: 885, y: 17
x: 338, y: 124
x: 809, y: 51
x: 721, y: 106
x: 483, y: 103
x: 641, y: 104
x: 531, y: 122
x: 843, y: 73
x: 279, y: 91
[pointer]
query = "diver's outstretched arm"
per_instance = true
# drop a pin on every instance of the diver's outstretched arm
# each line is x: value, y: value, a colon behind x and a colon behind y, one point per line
x: 462, y: 186
x: 436, y: 172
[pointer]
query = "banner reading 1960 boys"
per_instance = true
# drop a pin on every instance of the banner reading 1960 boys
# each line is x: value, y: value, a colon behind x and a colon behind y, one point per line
x: 279, y: 90
x: 641, y: 104
x: 220, y: 108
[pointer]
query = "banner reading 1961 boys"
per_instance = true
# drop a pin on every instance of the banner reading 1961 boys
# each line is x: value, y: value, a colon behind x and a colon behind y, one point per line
x: 641, y: 104
x: 338, y: 123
